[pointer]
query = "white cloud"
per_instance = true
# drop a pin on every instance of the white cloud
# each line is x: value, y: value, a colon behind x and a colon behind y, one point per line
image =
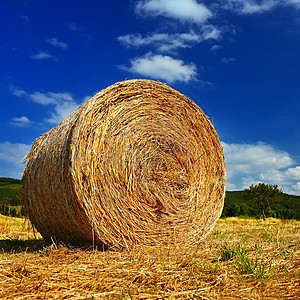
x: 48, y: 98
x: 56, y: 43
x: 295, y: 189
x: 63, y: 102
x: 215, y: 47
x: 227, y: 60
x: 255, y: 6
x: 20, y: 122
x: 293, y: 173
x: 11, y: 156
x: 254, y: 158
x: 210, y: 32
x: 248, y: 164
x: 230, y: 186
x: 282, y: 177
x: 188, y: 10
x: 61, y: 111
x: 163, y: 42
x: 248, y: 181
x: 17, y: 92
x: 249, y: 6
x: 162, y: 67
x: 293, y: 2
x: 166, y: 42
x: 43, y: 55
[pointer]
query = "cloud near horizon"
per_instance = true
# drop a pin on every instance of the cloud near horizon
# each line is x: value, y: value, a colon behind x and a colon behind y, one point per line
x: 11, y: 155
x: 248, y: 164
x: 162, y: 67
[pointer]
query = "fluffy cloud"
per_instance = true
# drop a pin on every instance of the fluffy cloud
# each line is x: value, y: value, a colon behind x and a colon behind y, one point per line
x: 43, y: 55
x: 254, y: 6
x: 294, y: 2
x: 282, y: 177
x: 166, y: 42
x: 20, y: 122
x: 11, y: 156
x: 248, y: 164
x: 254, y: 158
x: 56, y: 43
x: 188, y: 10
x: 162, y: 67
x: 215, y: 47
x: 61, y: 111
x: 50, y: 98
x: 63, y: 102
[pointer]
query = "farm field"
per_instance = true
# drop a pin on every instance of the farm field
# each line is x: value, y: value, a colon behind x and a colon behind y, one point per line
x: 240, y: 259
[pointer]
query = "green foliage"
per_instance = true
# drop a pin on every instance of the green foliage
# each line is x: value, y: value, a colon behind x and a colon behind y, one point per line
x: 10, y: 195
x: 10, y: 191
x: 227, y: 252
x: 244, y: 209
x: 13, y: 211
x: 8, y: 181
x: 287, y: 208
x: 257, y: 268
x: 263, y: 195
x: 233, y: 210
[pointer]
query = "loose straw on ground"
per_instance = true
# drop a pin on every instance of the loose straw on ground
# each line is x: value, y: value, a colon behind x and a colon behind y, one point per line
x: 138, y: 163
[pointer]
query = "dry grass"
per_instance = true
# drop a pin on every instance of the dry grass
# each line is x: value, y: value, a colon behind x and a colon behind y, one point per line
x: 240, y: 259
x: 138, y: 163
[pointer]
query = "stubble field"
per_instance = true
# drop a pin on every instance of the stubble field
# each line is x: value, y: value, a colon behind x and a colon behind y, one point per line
x: 240, y: 259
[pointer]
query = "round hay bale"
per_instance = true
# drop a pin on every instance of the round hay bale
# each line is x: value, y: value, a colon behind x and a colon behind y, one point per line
x: 138, y: 163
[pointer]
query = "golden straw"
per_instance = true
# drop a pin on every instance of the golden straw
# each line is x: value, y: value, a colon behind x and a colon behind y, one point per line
x: 138, y: 163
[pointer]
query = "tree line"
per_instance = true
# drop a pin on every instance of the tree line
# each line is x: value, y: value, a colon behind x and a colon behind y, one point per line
x: 262, y: 200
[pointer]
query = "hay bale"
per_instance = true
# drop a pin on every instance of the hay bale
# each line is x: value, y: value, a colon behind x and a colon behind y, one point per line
x: 137, y: 163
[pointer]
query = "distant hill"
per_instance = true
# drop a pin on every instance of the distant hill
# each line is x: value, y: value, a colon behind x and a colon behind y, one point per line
x: 235, y: 204
x: 10, y: 191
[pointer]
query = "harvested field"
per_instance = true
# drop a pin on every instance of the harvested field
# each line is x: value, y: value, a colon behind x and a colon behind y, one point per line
x: 240, y: 259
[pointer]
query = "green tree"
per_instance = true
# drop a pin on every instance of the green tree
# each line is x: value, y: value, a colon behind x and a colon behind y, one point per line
x: 244, y: 209
x: 233, y: 210
x: 263, y: 195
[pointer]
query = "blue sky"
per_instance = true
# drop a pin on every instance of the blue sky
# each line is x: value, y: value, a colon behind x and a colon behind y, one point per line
x: 239, y: 60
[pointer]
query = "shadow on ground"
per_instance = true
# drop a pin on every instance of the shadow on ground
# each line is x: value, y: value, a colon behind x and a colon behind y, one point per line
x: 39, y: 245
x: 18, y: 245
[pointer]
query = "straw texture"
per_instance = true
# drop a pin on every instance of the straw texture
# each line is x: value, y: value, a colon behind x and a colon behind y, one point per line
x: 138, y: 163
